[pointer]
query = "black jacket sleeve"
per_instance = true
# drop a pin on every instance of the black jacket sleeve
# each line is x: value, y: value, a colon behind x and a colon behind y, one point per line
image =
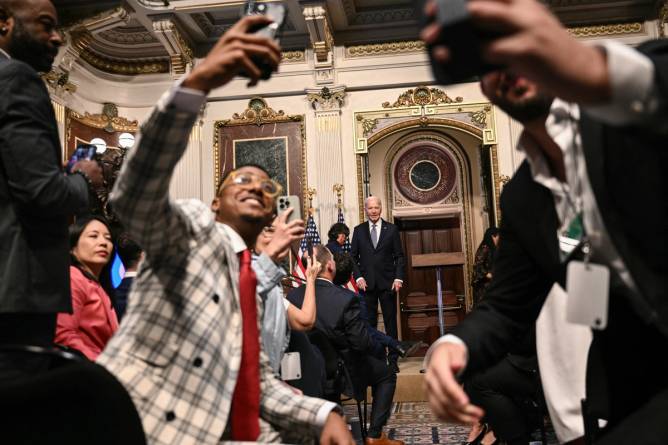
x: 357, y: 334
x: 398, y: 254
x: 30, y: 148
x: 512, y: 303
x: 355, y: 254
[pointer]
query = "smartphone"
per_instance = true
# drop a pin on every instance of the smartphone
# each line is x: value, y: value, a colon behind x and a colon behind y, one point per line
x: 81, y: 153
x: 276, y: 11
x: 463, y: 39
x: 289, y: 202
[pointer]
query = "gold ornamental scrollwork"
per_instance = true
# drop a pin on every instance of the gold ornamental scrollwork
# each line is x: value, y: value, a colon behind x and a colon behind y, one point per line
x: 422, y: 96
x: 108, y: 120
x: 368, y: 125
x: 293, y: 56
x: 380, y: 49
x: 607, y: 30
x: 326, y: 98
x: 258, y: 113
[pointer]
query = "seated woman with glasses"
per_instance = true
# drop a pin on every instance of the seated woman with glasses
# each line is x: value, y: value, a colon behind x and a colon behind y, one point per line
x: 93, y: 320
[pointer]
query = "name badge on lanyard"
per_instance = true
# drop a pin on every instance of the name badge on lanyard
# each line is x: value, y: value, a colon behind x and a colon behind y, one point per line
x: 587, y: 286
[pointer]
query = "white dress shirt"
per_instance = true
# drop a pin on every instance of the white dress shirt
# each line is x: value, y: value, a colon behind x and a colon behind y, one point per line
x: 630, y: 71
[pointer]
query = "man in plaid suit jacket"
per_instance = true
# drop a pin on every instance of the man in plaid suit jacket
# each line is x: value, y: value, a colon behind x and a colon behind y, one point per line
x: 178, y: 350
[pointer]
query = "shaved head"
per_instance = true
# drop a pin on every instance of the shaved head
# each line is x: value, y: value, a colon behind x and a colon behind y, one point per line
x: 28, y: 32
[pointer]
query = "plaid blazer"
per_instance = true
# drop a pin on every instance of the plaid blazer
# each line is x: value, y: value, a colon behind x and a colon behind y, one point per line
x: 178, y: 349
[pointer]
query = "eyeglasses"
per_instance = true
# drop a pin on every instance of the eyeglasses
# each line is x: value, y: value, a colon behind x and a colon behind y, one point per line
x: 270, y: 188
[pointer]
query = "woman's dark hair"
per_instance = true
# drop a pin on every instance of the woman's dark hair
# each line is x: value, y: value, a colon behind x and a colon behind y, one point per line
x: 336, y: 229
x: 487, y: 239
x: 76, y: 230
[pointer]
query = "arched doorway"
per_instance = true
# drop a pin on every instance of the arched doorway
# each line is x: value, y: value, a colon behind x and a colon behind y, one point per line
x: 436, y: 171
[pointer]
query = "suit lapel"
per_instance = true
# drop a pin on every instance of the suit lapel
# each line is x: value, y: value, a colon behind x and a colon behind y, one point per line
x: 383, y: 231
x: 530, y: 208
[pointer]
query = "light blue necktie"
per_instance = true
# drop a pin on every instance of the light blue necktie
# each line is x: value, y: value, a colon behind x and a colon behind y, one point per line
x: 374, y: 236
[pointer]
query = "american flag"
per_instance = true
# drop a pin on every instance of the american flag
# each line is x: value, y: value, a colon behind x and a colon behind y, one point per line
x: 311, y: 237
x: 351, y: 284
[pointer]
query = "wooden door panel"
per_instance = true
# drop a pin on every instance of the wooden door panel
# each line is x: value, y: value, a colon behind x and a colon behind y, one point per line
x: 419, y: 314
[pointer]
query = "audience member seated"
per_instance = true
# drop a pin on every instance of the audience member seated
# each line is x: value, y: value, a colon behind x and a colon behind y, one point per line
x: 337, y: 235
x: 131, y: 255
x: 508, y: 392
x: 344, y: 268
x: 338, y: 319
x: 93, y: 319
x: 279, y: 314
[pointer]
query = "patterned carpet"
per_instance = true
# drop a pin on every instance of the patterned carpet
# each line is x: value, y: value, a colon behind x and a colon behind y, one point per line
x: 414, y: 423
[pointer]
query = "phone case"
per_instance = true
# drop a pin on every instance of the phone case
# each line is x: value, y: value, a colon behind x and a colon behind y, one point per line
x: 286, y: 202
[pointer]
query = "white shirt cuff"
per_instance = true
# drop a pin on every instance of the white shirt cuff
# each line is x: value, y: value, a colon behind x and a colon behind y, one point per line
x: 321, y: 415
x: 359, y: 279
x: 182, y: 99
x: 401, y: 281
x: 447, y: 338
x: 632, y: 81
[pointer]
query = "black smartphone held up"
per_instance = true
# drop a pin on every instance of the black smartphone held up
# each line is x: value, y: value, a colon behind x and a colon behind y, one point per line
x: 81, y: 153
x: 463, y: 39
x: 276, y: 11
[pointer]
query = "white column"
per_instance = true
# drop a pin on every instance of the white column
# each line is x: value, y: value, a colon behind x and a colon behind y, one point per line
x: 328, y: 152
x: 187, y: 179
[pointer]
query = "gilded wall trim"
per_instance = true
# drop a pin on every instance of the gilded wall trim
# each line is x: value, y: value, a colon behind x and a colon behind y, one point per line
x: 382, y: 49
x: 293, y: 56
x: 258, y: 113
x: 608, y: 30
x: 81, y: 41
x: 107, y: 120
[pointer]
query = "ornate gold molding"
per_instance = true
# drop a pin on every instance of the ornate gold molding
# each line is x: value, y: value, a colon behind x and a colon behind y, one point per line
x: 608, y: 30
x: 390, y: 48
x: 258, y: 113
x: 81, y: 41
x: 422, y: 96
x: 293, y: 56
x: 107, y: 120
x: 59, y: 81
x: 327, y: 98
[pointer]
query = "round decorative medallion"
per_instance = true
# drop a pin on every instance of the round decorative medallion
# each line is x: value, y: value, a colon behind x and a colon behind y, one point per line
x: 425, y: 174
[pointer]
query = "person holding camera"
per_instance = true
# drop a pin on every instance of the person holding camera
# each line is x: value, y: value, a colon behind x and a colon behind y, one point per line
x: 566, y: 213
x: 37, y: 200
x: 189, y: 348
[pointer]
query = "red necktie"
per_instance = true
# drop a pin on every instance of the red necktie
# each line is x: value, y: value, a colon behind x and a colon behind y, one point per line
x: 246, y: 399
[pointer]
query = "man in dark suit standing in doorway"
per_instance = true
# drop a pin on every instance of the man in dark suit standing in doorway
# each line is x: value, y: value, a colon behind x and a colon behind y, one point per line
x: 379, y: 272
x: 36, y: 198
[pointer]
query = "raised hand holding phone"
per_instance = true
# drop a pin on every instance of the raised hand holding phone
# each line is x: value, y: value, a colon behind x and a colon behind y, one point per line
x: 286, y: 232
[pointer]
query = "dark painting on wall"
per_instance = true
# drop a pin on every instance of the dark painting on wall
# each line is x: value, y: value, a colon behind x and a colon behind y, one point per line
x: 261, y: 135
x: 269, y: 153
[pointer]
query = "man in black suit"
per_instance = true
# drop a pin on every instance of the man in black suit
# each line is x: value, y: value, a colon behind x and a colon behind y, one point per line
x: 379, y: 272
x: 596, y: 165
x: 338, y: 319
x: 36, y: 199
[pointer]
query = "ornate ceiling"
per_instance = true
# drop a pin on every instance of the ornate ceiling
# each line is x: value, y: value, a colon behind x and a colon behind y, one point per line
x: 162, y: 36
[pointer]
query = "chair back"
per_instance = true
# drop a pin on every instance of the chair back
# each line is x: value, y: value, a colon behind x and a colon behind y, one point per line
x: 73, y: 402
